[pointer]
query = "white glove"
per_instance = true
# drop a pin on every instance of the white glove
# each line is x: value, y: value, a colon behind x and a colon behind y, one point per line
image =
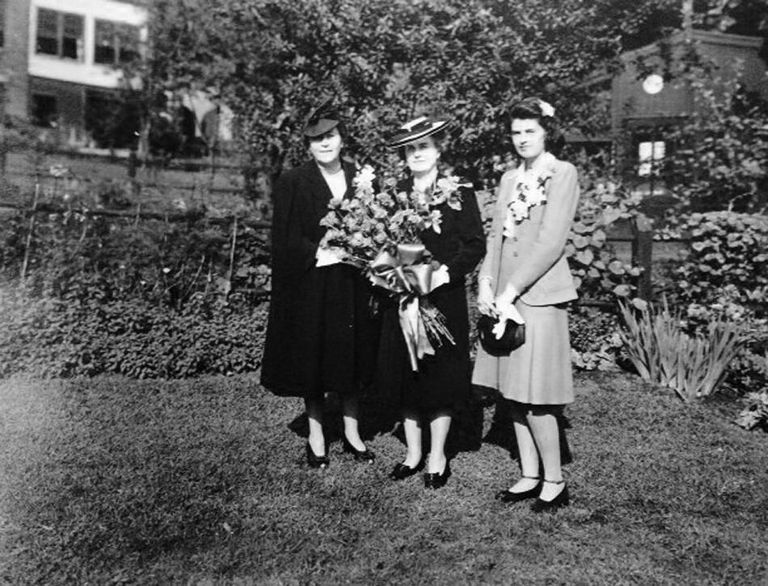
x: 440, y: 277
x: 328, y: 256
x: 508, y: 312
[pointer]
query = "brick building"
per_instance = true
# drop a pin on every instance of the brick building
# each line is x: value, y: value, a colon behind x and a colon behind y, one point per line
x: 60, y: 65
x: 649, y: 96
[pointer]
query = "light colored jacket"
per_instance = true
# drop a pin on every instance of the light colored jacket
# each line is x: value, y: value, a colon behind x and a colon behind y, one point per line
x: 538, y: 267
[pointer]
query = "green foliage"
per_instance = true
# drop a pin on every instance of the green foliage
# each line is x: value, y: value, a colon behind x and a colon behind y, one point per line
x: 384, y: 61
x: 595, y: 341
x: 89, y: 336
x: 77, y: 255
x: 725, y: 274
x: 605, y: 205
x: 755, y: 415
x: 727, y: 251
x: 720, y: 162
x: 144, y: 299
x: 662, y: 352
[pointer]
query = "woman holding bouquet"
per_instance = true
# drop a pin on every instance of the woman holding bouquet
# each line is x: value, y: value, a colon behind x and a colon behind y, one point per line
x: 525, y: 270
x: 430, y: 394
x: 321, y: 336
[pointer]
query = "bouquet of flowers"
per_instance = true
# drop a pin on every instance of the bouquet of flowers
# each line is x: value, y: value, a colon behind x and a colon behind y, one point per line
x: 378, y: 231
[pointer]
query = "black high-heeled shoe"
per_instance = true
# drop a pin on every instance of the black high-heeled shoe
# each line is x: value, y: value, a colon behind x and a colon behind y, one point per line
x: 507, y: 496
x: 436, y: 480
x: 316, y: 461
x: 401, y: 471
x: 364, y: 455
x: 561, y: 500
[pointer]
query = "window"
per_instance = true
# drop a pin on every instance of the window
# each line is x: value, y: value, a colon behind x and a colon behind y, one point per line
x: 44, y: 110
x: 59, y: 34
x: 115, y: 43
x: 650, y: 157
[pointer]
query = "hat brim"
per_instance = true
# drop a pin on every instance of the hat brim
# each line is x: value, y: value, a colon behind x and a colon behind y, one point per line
x: 320, y: 127
x: 404, y: 138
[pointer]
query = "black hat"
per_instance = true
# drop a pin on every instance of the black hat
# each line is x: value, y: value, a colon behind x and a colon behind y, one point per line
x: 417, y: 129
x: 322, y: 119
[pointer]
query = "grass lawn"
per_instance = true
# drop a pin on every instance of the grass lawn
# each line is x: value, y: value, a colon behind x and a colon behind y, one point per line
x: 112, y: 480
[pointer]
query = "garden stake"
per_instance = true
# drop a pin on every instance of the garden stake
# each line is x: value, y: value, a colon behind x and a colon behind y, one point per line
x: 232, y: 255
x: 28, y: 243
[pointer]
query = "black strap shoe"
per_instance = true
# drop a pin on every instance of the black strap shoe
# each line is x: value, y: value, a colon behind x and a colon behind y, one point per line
x: 365, y: 455
x: 316, y: 461
x: 561, y: 500
x: 401, y: 471
x: 507, y: 496
x: 434, y: 480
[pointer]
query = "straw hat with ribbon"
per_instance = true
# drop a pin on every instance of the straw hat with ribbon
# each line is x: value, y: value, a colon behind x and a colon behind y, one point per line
x: 417, y: 129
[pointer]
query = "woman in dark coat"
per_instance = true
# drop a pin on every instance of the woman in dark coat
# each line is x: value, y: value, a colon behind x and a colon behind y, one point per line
x: 321, y: 336
x: 442, y: 381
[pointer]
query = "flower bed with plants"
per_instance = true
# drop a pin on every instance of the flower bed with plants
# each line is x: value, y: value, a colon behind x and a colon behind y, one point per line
x: 84, y: 295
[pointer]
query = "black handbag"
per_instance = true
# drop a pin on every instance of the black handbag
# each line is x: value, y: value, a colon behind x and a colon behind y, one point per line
x: 513, y: 337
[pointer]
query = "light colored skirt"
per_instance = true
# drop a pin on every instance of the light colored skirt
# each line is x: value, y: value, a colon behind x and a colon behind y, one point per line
x: 539, y: 371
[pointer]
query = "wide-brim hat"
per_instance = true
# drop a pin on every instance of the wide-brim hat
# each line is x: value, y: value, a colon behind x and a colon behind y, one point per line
x: 417, y: 129
x: 322, y: 119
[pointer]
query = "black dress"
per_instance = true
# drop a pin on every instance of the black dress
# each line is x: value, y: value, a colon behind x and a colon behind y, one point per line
x: 321, y: 334
x: 442, y: 382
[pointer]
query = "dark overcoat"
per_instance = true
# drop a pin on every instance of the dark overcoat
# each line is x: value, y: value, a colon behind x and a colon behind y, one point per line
x: 321, y: 334
x: 442, y: 382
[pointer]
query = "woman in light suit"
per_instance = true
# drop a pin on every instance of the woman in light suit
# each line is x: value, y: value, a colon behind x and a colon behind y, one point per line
x: 525, y: 269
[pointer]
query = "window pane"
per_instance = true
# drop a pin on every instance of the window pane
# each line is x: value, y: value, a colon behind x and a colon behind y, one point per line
x: 650, y: 154
x: 44, y: 110
x: 47, y: 32
x: 72, y: 43
x: 104, y: 50
x: 128, y: 41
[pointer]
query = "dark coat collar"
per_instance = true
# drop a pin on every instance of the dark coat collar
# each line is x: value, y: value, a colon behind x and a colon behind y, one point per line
x: 320, y: 187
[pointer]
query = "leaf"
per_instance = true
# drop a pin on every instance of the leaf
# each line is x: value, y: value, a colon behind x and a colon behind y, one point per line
x: 622, y: 290
x: 599, y: 238
x: 616, y: 267
x: 580, y: 241
x: 585, y: 256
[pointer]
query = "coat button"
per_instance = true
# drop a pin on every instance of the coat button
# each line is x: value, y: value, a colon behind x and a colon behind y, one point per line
x: 514, y: 238
x: 514, y: 254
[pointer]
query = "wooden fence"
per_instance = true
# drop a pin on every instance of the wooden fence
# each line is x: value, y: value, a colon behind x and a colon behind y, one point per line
x: 219, y: 180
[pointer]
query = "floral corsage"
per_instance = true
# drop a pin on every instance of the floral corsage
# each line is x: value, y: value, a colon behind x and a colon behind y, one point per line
x: 530, y: 188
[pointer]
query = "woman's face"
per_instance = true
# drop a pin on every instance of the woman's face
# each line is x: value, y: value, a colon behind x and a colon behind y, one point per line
x: 422, y: 155
x: 326, y: 148
x: 528, y: 137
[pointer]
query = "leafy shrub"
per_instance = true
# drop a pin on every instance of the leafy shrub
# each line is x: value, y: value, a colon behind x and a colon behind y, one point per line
x: 66, y: 337
x: 723, y: 164
x: 662, y: 352
x: 595, y: 340
x: 77, y: 255
x: 604, y: 204
x: 726, y: 250
x: 725, y: 273
x: 755, y: 415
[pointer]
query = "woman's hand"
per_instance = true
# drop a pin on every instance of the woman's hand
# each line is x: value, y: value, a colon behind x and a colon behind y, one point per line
x: 505, y: 301
x: 485, y: 303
